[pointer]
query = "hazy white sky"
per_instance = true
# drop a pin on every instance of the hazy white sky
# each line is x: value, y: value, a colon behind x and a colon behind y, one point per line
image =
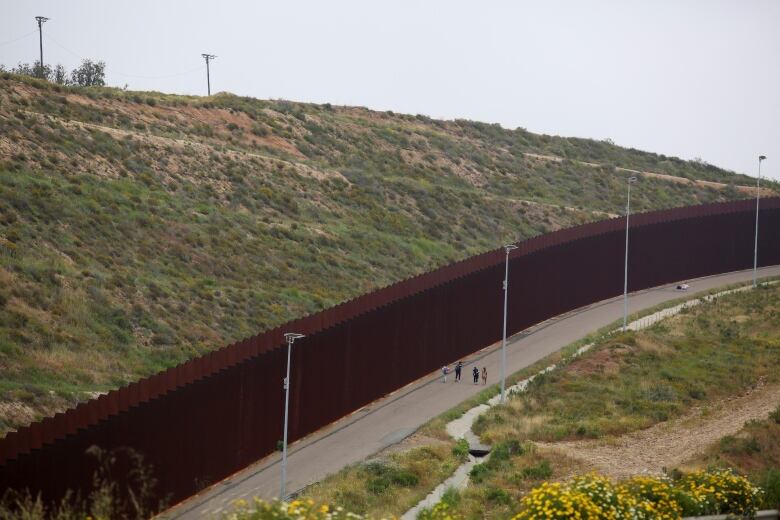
x: 679, y: 77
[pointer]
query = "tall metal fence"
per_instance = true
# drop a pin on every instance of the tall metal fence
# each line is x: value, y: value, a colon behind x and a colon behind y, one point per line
x: 209, y: 417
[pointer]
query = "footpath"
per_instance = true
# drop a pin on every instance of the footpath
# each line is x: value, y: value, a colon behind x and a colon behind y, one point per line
x: 391, y: 419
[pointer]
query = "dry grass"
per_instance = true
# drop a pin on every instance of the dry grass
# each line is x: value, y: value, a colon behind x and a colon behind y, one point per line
x: 389, y: 484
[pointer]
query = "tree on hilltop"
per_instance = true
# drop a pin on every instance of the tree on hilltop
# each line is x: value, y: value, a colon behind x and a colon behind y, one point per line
x: 89, y: 74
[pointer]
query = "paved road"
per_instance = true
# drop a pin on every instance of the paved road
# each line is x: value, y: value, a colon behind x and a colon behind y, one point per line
x: 394, y: 417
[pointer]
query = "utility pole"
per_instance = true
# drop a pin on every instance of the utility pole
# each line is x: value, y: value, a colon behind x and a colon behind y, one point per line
x: 41, y: 20
x: 208, y: 57
x: 758, y: 196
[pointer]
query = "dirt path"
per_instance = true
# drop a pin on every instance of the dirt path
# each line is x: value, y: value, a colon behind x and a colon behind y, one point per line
x: 750, y: 190
x: 670, y: 444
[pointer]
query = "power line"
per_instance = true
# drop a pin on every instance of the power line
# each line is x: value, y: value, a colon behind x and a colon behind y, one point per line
x: 22, y: 37
x: 183, y: 73
x: 120, y: 73
x: 61, y: 46
x: 75, y: 54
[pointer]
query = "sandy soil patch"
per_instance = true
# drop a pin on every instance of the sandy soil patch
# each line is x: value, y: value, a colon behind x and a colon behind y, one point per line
x: 671, y: 443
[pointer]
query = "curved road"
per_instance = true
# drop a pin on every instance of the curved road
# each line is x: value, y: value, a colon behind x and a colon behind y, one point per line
x: 396, y: 416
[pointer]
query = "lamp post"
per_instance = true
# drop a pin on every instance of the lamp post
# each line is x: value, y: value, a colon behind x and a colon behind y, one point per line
x: 507, y: 249
x: 758, y: 196
x: 290, y: 337
x: 631, y: 180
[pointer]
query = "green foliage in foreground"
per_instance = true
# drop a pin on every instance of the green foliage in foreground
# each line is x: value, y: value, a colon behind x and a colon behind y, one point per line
x: 132, y: 500
x: 589, y: 497
x: 594, y: 497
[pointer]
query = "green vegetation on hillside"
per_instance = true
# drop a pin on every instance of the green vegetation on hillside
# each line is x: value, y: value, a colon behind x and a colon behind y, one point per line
x: 138, y: 230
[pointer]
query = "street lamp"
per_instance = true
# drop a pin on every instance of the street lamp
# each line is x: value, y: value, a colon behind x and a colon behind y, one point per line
x: 290, y: 337
x: 507, y: 249
x: 758, y: 196
x: 631, y: 180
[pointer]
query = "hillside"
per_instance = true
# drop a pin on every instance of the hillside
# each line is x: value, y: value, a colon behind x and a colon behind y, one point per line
x: 140, y: 229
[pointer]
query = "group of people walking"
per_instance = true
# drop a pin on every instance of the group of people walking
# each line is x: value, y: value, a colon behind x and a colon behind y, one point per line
x: 459, y: 370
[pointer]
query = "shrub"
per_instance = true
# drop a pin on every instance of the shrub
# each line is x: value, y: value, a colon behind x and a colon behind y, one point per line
x: 461, y: 449
x: 276, y: 510
x: 720, y: 491
x: 557, y: 500
x: 613, y: 502
x: 642, y: 497
x: 440, y: 511
x: 499, y: 496
x: 652, y: 497
x: 739, y: 446
x: 259, y: 130
x: 540, y: 471
x: 478, y: 473
x: 382, y: 476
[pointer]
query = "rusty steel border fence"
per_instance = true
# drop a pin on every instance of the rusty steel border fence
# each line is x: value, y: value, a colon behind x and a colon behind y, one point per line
x: 205, y: 419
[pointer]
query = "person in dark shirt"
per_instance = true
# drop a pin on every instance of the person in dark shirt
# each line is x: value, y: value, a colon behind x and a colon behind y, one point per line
x: 476, y: 375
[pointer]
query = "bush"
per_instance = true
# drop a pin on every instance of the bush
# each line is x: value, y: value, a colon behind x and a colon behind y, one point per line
x: 478, y: 473
x: 297, y: 509
x: 739, y: 446
x: 594, y: 496
x: 613, y: 502
x: 461, y: 449
x: 499, y: 496
x: 259, y: 130
x: 440, y: 511
x: 540, y: 471
x: 652, y: 497
x: 382, y: 476
x: 557, y: 500
x: 719, y: 492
